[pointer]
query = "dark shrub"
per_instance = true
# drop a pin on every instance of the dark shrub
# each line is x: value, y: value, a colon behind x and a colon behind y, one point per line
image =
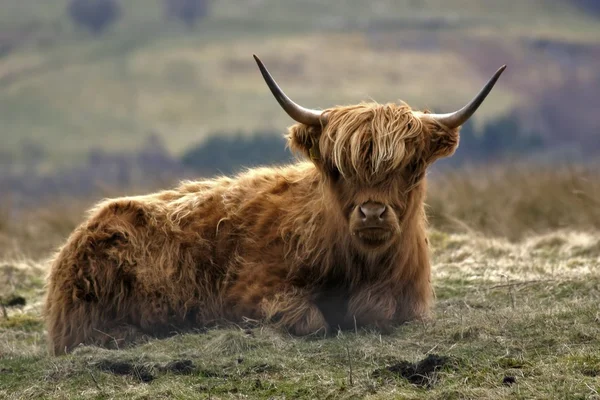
x: 94, y: 15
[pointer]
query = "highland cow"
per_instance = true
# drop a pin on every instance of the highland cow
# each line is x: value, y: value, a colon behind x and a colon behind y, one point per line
x: 336, y: 241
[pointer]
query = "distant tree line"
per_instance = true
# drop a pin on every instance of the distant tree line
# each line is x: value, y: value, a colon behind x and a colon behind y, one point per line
x: 94, y: 15
x: 499, y: 139
x: 150, y: 165
x: 226, y: 153
x: 97, y: 16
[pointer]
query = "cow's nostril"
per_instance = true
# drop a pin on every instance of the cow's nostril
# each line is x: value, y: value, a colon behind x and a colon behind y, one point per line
x: 372, y: 211
x: 361, y: 213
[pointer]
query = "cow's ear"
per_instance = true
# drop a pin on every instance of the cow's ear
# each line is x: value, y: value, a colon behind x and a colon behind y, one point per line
x: 305, y: 140
x: 440, y: 141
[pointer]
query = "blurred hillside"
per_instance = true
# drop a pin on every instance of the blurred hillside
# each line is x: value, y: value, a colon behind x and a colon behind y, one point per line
x: 65, y: 90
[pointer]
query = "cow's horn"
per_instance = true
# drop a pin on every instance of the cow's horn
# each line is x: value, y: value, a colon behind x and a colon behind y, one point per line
x: 457, y: 118
x: 297, y: 112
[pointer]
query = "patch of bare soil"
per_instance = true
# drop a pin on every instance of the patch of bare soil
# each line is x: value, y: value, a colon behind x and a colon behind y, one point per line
x: 420, y: 373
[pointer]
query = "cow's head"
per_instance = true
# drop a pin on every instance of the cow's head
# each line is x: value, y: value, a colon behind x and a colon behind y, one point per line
x: 373, y: 156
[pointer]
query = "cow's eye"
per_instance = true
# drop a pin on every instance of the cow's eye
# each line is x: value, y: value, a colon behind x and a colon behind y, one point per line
x: 334, y: 173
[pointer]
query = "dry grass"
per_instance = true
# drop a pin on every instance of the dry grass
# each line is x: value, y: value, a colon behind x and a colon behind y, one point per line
x: 35, y: 234
x: 516, y: 201
x: 517, y: 301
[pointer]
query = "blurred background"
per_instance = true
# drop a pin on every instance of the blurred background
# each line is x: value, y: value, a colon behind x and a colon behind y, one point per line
x: 108, y: 97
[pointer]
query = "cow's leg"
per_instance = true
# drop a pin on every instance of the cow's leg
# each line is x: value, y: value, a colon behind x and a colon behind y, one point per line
x: 262, y: 291
x: 372, y: 306
x: 414, y: 302
x: 292, y: 309
x: 295, y: 311
x: 382, y: 307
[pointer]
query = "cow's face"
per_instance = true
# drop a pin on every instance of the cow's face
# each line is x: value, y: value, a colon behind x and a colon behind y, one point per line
x: 372, y: 157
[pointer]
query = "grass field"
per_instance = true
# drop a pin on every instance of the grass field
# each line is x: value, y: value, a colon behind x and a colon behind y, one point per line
x: 516, y: 256
x: 68, y: 91
x: 511, y: 321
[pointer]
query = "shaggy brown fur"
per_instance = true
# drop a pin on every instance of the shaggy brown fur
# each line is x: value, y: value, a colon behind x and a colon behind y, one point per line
x: 283, y: 245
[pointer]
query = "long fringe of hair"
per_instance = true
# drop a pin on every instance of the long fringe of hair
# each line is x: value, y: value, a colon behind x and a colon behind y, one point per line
x: 369, y: 140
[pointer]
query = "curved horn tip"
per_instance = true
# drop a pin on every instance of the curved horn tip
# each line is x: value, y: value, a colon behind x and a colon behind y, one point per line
x: 258, y: 61
x: 458, y: 118
x: 498, y: 73
x: 296, y: 112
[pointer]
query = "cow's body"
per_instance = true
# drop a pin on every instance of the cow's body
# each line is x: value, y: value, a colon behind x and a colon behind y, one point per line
x: 256, y: 247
